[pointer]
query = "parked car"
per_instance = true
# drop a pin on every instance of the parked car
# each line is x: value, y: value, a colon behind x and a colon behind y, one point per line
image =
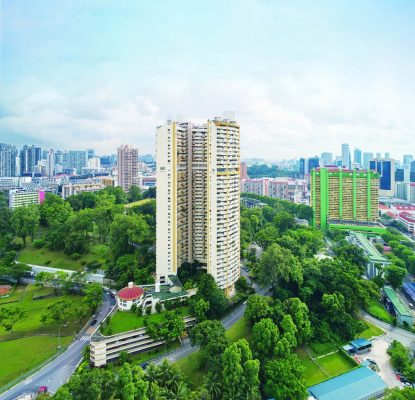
x: 42, y: 389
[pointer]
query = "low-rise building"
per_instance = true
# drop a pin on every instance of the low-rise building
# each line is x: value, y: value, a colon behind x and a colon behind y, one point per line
x: 76, y: 188
x: 397, y: 307
x: 22, y: 197
x: 375, y: 259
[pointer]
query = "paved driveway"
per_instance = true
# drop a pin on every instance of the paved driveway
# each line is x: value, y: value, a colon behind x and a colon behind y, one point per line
x: 378, y: 354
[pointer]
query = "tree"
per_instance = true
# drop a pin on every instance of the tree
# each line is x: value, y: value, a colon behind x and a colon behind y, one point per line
x: 92, y: 295
x: 299, y: 314
x: 257, y: 308
x: 15, y: 271
x: 284, y: 221
x: 283, y: 379
x: 395, y: 275
x: 265, y: 336
x: 406, y: 393
x: 399, y: 355
x: 134, y: 194
x: 126, y: 233
x: 25, y: 221
x: 59, y: 312
x: 54, y: 210
x: 44, y: 278
x: 199, y: 308
x: 278, y: 265
x: 209, y: 291
x: 169, y: 329
x: 267, y: 236
x: 9, y: 317
x: 232, y: 373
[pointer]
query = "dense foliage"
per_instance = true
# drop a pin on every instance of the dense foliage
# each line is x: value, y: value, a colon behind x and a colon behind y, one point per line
x: 263, y: 170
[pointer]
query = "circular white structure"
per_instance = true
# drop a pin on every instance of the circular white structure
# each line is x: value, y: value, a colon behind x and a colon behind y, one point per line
x: 130, y: 295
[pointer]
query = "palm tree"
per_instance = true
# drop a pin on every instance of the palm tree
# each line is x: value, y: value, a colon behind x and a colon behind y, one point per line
x: 213, y: 386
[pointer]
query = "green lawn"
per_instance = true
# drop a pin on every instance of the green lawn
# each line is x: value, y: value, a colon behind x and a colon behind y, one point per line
x: 21, y: 355
x: 31, y: 324
x: 376, y: 309
x: 371, y: 331
x: 239, y: 330
x: 138, y: 203
x: 312, y: 373
x: 123, y: 321
x: 319, y: 349
x: 16, y: 295
x: 193, y: 367
x: 331, y: 365
x: 58, y: 259
x: 337, y: 363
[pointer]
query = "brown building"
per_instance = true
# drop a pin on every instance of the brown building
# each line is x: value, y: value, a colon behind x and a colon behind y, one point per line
x: 127, y: 166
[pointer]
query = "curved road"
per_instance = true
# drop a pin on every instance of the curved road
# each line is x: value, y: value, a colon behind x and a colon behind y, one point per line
x: 58, y: 371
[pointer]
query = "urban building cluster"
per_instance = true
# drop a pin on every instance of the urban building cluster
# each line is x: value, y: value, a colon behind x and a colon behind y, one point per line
x: 27, y: 174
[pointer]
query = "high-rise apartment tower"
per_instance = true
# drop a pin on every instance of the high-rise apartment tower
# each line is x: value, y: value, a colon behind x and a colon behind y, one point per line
x: 349, y: 197
x: 198, y: 199
x: 127, y: 161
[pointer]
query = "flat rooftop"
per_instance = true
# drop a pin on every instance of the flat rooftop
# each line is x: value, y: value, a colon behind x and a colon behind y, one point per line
x: 396, y: 301
x: 357, y: 384
x: 370, y: 250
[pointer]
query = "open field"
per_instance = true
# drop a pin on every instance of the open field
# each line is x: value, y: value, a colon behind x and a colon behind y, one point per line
x: 324, y: 367
x: 98, y: 253
x: 123, y: 321
x: 193, y: 367
x: 240, y: 330
x: 371, y: 331
x: 21, y: 355
x: 32, y: 324
x: 312, y: 373
x: 138, y: 203
x: 376, y: 309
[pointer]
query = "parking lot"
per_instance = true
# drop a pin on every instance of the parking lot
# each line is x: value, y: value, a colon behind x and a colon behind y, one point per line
x: 379, y: 354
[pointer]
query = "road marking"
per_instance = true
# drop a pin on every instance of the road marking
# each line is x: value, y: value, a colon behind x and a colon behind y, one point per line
x: 27, y: 381
x: 85, y: 338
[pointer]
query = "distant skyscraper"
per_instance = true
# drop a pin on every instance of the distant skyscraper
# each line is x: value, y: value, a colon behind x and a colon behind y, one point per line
x: 198, y: 199
x: 313, y: 163
x: 399, y: 175
x: 8, y: 159
x: 302, y: 167
x: 76, y: 160
x: 127, y: 166
x: 29, y: 157
x: 378, y: 155
x: 358, y: 157
x: 90, y: 153
x: 407, y: 158
x: 366, y: 160
x: 50, y: 163
x: 412, y: 171
x: 386, y: 170
x: 346, y: 156
x: 387, y: 155
x: 326, y: 159
x: 243, y: 171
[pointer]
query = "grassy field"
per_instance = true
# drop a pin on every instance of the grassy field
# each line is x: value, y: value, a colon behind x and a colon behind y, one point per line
x: 99, y: 253
x: 312, y: 373
x: 123, y: 321
x: 21, y: 355
x: 319, y: 349
x: 32, y: 324
x: 336, y: 363
x: 371, y: 331
x: 324, y: 367
x: 239, y: 330
x: 376, y: 309
x: 138, y: 203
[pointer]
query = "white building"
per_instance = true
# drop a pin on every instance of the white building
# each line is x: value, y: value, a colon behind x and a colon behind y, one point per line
x: 22, y: 197
x: 130, y: 295
x: 198, y: 199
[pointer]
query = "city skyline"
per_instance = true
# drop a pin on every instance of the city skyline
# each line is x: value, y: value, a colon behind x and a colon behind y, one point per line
x: 105, y: 74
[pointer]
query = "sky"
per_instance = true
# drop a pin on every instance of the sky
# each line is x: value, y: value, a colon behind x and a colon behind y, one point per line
x: 301, y: 76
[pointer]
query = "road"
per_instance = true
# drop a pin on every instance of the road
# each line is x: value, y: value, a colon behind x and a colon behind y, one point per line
x: 58, y: 371
x: 98, y: 278
x: 392, y: 332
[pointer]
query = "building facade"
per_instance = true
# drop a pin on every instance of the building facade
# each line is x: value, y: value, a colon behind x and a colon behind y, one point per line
x: 198, y: 189
x: 29, y: 157
x: 8, y: 160
x: 127, y: 159
x: 385, y: 167
x: 346, y: 158
x: 344, y: 196
x: 22, y: 197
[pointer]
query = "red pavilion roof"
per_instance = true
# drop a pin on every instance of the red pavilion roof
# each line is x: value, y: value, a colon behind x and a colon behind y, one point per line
x: 130, y: 293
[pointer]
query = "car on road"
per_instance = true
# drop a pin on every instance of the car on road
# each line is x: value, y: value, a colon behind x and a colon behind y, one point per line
x: 94, y: 322
x: 42, y: 389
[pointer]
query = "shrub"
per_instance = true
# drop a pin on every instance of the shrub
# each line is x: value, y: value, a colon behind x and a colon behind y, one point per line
x: 39, y: 243
x: 159, y: 307
x: 134, y: 308
x: 75, y: 256
x: 148, y: 310
x: 140, y: 311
